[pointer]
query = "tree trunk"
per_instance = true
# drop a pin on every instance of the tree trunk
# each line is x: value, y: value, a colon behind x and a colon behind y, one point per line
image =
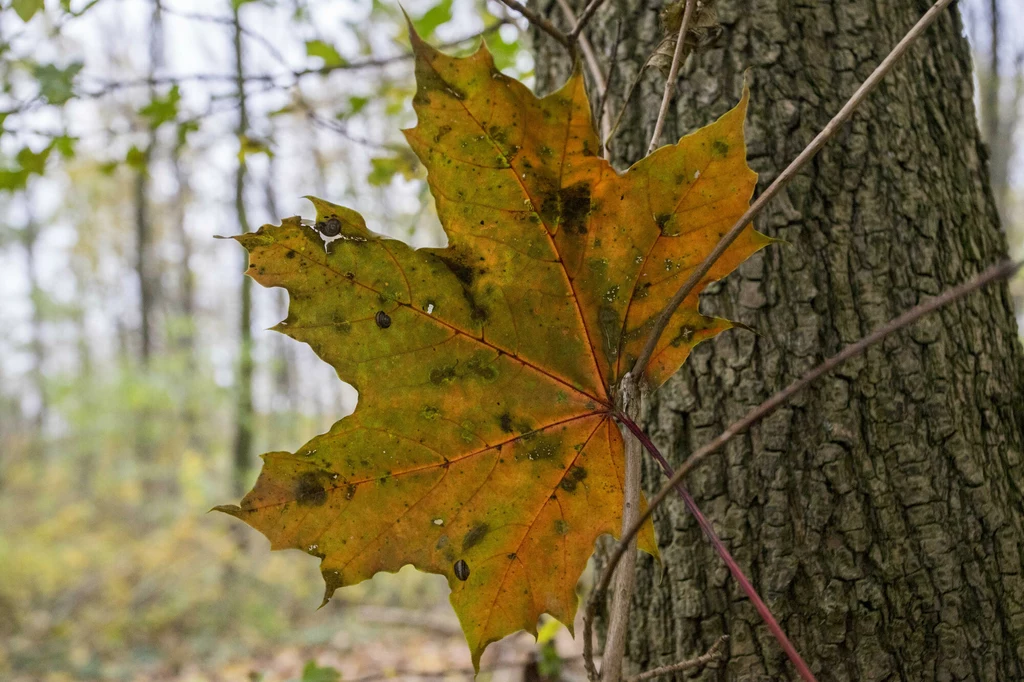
x: 879, y: 514
x: 244, y: 418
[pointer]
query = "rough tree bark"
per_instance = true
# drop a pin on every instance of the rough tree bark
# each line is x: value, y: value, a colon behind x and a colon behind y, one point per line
x: 881, y: 514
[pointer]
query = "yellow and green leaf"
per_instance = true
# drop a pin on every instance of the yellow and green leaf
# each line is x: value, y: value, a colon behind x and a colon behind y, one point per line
x: 483, y: 446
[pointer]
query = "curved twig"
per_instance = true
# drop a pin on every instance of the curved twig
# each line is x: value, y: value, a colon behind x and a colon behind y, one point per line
x: 541, y: 23
x: 588, y: 13
x: 673, y: 74
x: 715, y: 653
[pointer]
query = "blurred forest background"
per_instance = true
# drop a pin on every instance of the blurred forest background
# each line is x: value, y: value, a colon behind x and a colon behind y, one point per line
x: 137, y: 381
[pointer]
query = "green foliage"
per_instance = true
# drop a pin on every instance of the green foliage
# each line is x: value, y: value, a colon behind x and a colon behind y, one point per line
x: 324, y: 51
x: 135, y: 158
x: 110, y: 566
x: 549, y: 663
x: 162, y: 109
x: 28, y: 163
x: 315, y: 673
x: 401, y: 161
x: 56, y: 85
x: 429, y: 21
x: 26, y: 9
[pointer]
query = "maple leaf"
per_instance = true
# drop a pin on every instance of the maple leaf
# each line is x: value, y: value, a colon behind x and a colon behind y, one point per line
x: 483, y: 446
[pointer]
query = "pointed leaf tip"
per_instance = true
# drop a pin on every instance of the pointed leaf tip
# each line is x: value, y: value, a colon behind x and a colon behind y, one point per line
x: 230, y: 509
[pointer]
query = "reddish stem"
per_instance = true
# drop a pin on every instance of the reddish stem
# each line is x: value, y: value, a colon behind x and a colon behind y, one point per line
x: 737, y: 572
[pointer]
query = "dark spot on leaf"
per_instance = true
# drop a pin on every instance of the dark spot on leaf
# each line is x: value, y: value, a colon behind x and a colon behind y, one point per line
x: 575, y: 207
x: 511, y: 556
x: 561, y: 527
x: 719, y: 148
x: 684, y: 336
x: 462, y: 272
x: 485, y: 371
x: 350, y: 276
x: 309, y: 492
x: 442, y: 375
x: 474, y: 536
x: 429, y: 80
x: 462, y: 570
x: 442, y: 542
x: 466, y: 274
x: 350, y: 491
x: 506, y: 422
x: 382, y: 319
x: 570, y: 206
x: 290, y: 254
x: 662, y: 220
x: 572, y: 478
x: 441, y: 132
x: 497, y: 134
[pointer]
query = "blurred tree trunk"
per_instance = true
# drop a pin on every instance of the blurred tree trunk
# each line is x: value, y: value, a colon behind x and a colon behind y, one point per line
x: 880, y: 514
x: 285, y: 430
x: 243, y: 446
x: 186, y: 282
x: 143, y: 221
x: 143, y: 232
x: 30, y: 236
x: 1001, y: 93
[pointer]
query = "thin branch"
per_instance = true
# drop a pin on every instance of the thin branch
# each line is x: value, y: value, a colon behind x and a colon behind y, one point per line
x: 108, y: 86
x: 734, y: 568
x: 588, y: 13
x: 997, y: 272
x: 603, y: 105
x: 715, y: 653
x: 540, y: 22
x: 606, y: 142
x: 787, y: 175
x: 229, y: 22
x: 629, y: 403
x: 670, y: 84
x: 593, y: 66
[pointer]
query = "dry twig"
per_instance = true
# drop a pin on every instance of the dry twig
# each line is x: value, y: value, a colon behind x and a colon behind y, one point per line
x: 715, y: 653
x: 541, y: 23
x: 593, y: 66
x: 673, y: 74
x: 588, y: 13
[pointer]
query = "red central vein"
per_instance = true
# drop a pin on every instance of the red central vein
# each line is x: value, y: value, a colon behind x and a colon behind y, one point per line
x: 547, y: 498
x: 533, y: 203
